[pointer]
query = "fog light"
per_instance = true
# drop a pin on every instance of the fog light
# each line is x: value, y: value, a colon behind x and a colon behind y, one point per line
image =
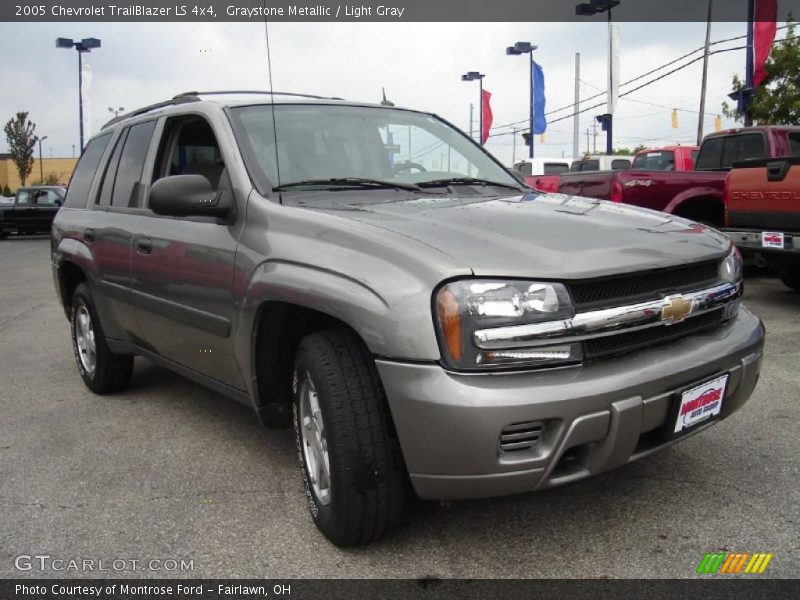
x: 532, y: 356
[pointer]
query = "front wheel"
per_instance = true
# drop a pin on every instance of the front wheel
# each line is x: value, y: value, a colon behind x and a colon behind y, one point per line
x: 352, y: 468
x: 102, y: 371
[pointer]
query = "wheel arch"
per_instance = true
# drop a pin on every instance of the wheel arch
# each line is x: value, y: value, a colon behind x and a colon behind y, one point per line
x: 706, y: 206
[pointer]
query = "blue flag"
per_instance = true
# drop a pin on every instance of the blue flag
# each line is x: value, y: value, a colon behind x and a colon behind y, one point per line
x: 539, y: 120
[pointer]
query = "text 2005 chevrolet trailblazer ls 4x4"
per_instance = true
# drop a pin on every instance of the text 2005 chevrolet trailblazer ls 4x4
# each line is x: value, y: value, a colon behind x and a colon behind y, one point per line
x: 373, y: 276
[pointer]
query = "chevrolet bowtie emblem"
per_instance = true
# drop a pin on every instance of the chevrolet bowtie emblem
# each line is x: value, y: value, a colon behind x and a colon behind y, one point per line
x: 676, y: 309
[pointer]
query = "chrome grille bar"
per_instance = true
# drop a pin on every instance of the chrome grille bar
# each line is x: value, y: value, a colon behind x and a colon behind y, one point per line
x: 607, y: 321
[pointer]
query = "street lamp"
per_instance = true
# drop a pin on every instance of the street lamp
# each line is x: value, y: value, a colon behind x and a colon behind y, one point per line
x: 588, y: 9
x: 84, y: 45
x: 516, y: 50
x: 116, y: 111
x: 472, y: 76
x: 41, y: 168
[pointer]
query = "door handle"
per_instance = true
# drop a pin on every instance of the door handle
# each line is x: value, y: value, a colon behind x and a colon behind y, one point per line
x: 89, y: 235
x: 144, y: 246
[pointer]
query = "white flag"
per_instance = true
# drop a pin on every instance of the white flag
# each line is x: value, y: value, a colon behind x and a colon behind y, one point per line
x: 613, y: 68
x: 86, y: 74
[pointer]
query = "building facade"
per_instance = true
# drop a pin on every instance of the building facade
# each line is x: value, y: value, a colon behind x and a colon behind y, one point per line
x: 57, y: 170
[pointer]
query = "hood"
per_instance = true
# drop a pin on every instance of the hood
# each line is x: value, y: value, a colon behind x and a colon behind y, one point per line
x: 549, y: 236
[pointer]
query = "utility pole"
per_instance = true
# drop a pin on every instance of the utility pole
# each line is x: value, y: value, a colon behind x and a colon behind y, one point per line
x: 701, y: 117
x: 587, y: 141
x: 594, y: 138
x: 576, y: 119
x: 471, y: 109
x: 514, y: 147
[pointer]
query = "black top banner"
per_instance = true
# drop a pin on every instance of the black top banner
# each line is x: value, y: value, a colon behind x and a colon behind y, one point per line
x: 384, y: 11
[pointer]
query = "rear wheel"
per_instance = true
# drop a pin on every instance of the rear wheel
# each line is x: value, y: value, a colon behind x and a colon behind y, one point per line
x: 102, y: 371
x: 789, y: 273
x: 352, y: 468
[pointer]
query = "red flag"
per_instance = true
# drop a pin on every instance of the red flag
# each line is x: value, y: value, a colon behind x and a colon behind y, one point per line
x: 486, y: 113
x: 764, y: 29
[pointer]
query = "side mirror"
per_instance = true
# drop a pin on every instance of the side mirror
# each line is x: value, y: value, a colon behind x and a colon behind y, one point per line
x: 188, y: 196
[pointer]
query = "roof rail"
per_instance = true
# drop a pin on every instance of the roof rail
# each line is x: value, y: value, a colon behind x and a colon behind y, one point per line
x: 264, y: 92
x: 179, y: 99
x: 184, y: 97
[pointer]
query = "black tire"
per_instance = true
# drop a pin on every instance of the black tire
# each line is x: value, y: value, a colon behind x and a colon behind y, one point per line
x: 366, y: 472
x: 789, y: 273
x: 111, y: 372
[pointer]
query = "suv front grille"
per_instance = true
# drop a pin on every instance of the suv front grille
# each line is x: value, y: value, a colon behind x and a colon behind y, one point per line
x: 520, y: 436
x: 604, y: 347
x: 636, y: 287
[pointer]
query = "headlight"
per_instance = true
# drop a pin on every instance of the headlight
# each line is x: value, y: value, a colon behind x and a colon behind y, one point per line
x: 731, y: 268
x: 463, y: 307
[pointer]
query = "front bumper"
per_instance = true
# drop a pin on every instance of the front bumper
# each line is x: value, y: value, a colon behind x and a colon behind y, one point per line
x: 594, y: 417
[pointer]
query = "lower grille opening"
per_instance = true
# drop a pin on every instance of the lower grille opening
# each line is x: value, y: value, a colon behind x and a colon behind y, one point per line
x: 521, y: 436
x: 572, y: 461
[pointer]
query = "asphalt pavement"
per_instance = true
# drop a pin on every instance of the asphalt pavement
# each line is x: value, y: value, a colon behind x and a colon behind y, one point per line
x: 171, y: 471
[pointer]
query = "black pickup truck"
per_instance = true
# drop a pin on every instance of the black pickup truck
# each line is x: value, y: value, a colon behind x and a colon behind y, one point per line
x: 33, y: 210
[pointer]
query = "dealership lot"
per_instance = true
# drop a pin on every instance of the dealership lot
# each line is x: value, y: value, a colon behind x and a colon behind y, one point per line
x: 169, y: 470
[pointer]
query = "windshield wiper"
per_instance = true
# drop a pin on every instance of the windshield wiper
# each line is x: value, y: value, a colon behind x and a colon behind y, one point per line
x: 357, y: 182
x: 465, y: 181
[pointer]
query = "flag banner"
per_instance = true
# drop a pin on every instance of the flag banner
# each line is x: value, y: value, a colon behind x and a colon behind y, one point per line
x: 539, y: 119
x: 486, y: 111
x: 86, y: 75
x: 613, y: 65
x: 764, y: 29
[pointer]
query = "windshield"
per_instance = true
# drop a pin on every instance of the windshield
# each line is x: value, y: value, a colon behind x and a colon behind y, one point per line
x: 322, y: 142
x: 662, y: 160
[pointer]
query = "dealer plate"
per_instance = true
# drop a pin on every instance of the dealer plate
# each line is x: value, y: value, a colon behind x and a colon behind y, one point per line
x: 700, y: 403
x: 772, y: 239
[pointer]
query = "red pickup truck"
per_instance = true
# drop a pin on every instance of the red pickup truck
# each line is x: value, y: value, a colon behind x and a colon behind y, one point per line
x: 696, y: 194
x: 762, y: 213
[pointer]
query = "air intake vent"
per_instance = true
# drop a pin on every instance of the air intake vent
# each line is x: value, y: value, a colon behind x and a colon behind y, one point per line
x: 520, y: 436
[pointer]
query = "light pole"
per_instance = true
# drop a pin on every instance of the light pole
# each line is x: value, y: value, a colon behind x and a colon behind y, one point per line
x: 588, y: 9
x: 116, y: 111
x: 472, y: 76
x: 516, y: 50
x: 84, y: 45
x: 41, y: 168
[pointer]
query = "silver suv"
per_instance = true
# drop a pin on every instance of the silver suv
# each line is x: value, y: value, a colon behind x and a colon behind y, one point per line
x: 373, y: 277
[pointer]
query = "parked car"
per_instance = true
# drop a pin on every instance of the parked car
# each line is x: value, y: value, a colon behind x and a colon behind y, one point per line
x: 548, y: 182
x: 452, y: 330
x: 762, y: 213
x: 32, y: 211
x: 668, y: 158
x: 697, y: 194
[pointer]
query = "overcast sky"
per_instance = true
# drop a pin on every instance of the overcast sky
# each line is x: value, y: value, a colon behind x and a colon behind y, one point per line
x: 419, y: 64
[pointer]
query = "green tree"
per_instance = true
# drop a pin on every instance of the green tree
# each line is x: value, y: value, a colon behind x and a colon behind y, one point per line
x: 622, y: 152
x: 21, y: 140
x: 7, y: 192
x: 777, y: 99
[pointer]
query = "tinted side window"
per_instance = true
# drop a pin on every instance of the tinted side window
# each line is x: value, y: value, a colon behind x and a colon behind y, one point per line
x: 107, y: 187
x: 131, y: 162
x: 555, y: 168
x: 590, y: 165
x: 24, y: 197
x: 47, y: 198
x: 84, y: 172
x: 620, y: 163
x: 710, y: 155
x: 794, y: 144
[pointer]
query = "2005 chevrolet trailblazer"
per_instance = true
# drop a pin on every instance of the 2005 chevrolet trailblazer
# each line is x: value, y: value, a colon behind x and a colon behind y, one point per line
x: 373, y: 276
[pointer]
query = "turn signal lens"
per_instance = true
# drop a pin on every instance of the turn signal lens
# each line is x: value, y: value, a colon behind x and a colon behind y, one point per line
x: 450, y: 319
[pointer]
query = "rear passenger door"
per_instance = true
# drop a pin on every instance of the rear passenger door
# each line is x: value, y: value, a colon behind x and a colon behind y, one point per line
x: 182, y: 267
x: 117, y: 205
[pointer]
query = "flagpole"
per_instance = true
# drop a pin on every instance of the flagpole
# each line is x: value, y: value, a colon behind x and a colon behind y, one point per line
x: 749, y: 92
x: 480, y: 122
x: 530, y: 71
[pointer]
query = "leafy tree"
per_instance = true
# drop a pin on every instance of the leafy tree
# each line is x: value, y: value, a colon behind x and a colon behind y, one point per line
x: 777, y: 99
x: 7, y: 191
x: 21, y: 140
x: 622, y: 152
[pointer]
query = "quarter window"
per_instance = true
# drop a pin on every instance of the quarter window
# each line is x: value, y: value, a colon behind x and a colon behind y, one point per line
x: 81, y: 181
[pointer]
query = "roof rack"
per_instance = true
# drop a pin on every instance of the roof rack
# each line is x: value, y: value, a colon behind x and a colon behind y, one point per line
x: 179, y: 99
x: 184, y: 97
x: 263, y: 92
